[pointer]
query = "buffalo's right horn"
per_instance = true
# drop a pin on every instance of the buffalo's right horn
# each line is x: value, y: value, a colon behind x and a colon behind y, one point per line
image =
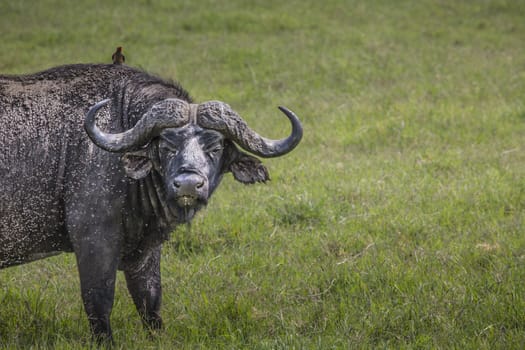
x: 168, y: 113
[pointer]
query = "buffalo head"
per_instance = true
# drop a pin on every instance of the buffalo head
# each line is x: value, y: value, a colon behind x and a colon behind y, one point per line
x: 191, y: 146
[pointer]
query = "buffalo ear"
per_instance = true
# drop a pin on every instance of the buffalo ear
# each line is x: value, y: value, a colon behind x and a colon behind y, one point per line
x: 137, y: 165
x: 248, y: 169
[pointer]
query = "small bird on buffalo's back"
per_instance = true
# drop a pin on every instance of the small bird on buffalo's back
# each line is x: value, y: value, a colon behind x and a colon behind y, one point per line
x: 118, y: 57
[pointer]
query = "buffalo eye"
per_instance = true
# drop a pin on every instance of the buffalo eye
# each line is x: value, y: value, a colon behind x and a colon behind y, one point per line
x: 169, y: 149
x: 214, y: 152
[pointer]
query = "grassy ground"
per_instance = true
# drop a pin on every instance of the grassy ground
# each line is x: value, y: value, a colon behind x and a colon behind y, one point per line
x: 397, y: 223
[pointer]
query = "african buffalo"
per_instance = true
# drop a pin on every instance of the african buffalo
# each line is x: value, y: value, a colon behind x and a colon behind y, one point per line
x: 112, y: 197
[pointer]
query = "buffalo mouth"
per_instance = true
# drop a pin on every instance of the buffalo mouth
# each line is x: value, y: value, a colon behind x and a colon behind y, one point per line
x: 186, y: 206
x: 186, y: 201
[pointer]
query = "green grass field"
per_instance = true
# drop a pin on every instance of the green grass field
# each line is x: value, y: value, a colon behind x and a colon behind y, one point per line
x: 399, y: 220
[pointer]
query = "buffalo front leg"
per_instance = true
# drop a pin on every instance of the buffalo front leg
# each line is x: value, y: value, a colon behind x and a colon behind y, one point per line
x: 93, y: 204
x: 143, y: 281
x: 97, y: 266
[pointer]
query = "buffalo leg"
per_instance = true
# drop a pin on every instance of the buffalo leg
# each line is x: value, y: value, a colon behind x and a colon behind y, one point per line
x: 97, y: 265
x: 143, y: 283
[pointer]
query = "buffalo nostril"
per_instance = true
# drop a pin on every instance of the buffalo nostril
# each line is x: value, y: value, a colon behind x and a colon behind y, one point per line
x: 189, y: 184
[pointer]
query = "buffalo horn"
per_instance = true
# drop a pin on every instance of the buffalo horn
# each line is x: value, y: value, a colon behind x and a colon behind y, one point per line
x: 221, y: 117
x: 168, y: 113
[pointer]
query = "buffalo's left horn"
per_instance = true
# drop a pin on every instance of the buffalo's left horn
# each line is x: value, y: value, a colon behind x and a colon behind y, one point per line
x: 221, y: 117
x: 168, y: 113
